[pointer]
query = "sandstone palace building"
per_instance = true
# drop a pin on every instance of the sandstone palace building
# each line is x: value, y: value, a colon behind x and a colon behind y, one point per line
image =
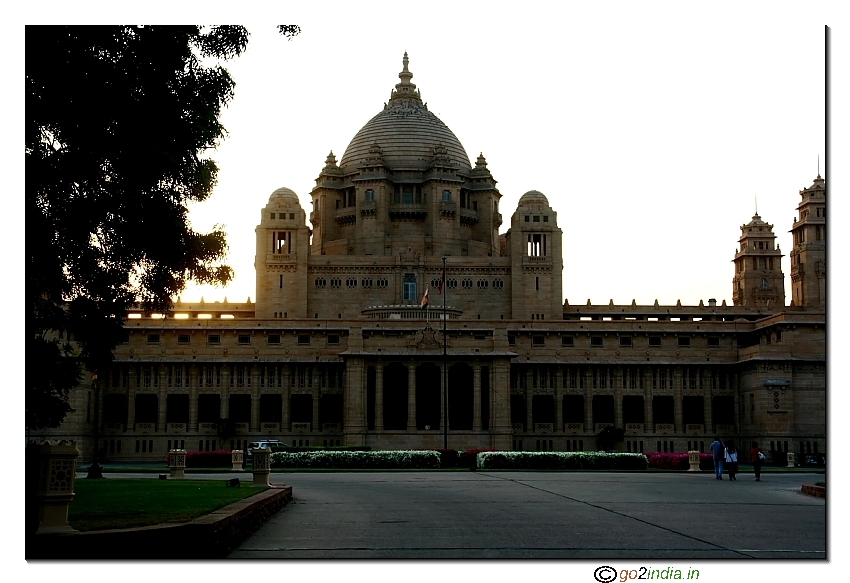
x: 336, y: 350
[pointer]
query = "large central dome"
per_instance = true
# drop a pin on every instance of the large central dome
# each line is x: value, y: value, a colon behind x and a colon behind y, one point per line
x: 406, y: 133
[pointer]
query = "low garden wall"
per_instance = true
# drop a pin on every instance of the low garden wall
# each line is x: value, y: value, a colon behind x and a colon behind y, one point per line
x: 210, y: 536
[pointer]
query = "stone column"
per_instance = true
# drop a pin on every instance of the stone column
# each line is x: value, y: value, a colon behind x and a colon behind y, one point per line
x: 588, y: 401
x: 226, y: 375
x: 529, y: 406
x: 619, y: 375
x: 316, y: 393
x: 411, y: 396
x: 255, y: 399
x: 285, y: 390
x: 678, y: 376
x: 443, y: 395
x: 161, y: 401
x: 500, y: 405
x: 379, y: 396
x: 131, y: 399
x: 354, y: 396
x: 708, y: 397
x: 648, y: 426
x: 559, y: 395
x: 476, y: 397
x: 196, y: 371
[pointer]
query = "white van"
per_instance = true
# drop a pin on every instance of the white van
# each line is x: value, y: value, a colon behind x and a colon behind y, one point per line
x: 264, y: 444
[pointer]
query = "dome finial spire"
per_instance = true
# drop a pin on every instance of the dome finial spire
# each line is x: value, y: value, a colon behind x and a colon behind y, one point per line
x: 405, y: 89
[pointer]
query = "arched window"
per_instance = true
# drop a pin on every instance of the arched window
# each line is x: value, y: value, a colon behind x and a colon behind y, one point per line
x: 764, y: 284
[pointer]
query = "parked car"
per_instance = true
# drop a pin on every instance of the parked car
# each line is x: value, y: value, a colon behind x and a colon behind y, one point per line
x: 264, y: 444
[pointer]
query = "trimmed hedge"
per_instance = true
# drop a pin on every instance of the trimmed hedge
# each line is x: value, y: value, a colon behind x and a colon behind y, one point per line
x: 678, y: 461
x: 316, y: 448
x: 469, y: 458
x: 359, y: 460
x: 547, y: 460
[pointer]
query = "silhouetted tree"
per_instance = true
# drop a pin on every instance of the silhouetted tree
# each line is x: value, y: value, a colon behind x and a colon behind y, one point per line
x: 119, y: 125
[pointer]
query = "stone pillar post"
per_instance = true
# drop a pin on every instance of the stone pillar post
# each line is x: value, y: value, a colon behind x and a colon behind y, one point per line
x: 476, y: 396
x: 444, y: 391
x: 529, y: 407
x: 354, y: 420
x: 260, y: 466
x: 648, y: 426
x: 500, y: 404
x: 411, y: 396
x: 237, y: 456
x: 177, y: 463
x: 57, y: 473
x: 791, y: 459
x: 693, y: 461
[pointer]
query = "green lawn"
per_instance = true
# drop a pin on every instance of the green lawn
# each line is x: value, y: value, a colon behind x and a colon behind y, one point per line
x: 117, y: 503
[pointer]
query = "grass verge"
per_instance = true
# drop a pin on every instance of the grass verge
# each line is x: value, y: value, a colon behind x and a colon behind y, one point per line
x: 119, y: 503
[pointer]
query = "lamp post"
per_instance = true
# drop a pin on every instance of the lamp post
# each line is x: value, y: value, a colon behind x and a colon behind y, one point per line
x: 95, y: 469
x: 445, y: 365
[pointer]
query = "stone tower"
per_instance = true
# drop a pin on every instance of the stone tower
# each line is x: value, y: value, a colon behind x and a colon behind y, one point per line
x: 758, y: 281
x: 808, y: 257
x: 534, y: 245
x: 283, y: 244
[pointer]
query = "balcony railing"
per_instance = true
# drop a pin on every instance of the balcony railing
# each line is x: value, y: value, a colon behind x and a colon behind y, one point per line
x: 665, y: 428
x: 270, y: 427
x: 695, y: 428
x: 468, y: 217
x: 175, y: 427
x: 301, y: 427
x: 408, y: 210
x: 573, y: 428
x: 448, y: 209
x: 633, y: 428
x: 543, y: 428
x: 346, y: 216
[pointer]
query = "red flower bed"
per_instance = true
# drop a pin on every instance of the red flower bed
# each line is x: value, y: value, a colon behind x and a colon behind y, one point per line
x: 677, y: 461
x: 469, y: 458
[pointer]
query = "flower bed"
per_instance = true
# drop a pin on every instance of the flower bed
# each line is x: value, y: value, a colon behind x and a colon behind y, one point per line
x: 677, y: 461
x: 579, y: 460
x: 365, y: 460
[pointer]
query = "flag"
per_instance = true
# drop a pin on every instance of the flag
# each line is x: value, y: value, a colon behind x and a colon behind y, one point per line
x: 424, y: 303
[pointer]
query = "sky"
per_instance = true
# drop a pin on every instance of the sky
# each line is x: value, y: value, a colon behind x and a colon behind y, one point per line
x: 653, y: 143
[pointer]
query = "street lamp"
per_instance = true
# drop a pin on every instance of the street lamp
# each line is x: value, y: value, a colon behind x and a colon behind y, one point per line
x: 445, y: 365
x: 95, y: 469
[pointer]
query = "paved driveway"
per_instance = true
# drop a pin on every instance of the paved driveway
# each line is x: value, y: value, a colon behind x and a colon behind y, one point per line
x: 542, y: 515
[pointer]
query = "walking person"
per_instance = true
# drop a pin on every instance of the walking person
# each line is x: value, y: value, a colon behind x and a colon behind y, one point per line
x: 718, y: 455
x: 757, y: 458
x: 731, y: 460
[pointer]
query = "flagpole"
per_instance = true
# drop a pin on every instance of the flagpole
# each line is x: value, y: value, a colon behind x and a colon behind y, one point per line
x: 445, y: 366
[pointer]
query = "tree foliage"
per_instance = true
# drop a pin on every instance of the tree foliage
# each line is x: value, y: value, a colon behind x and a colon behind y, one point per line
x: 120, y: 122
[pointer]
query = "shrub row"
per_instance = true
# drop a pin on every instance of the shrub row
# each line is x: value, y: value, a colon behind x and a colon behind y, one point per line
x: 358, y: 460
x: 311, y: 448
x: 547, y: 460
x: 677, y: 461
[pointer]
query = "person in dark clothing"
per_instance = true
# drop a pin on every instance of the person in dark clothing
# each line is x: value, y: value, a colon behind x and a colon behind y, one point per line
x: 718, y: 454
x: 731, y: 460
x: 757, y: 458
